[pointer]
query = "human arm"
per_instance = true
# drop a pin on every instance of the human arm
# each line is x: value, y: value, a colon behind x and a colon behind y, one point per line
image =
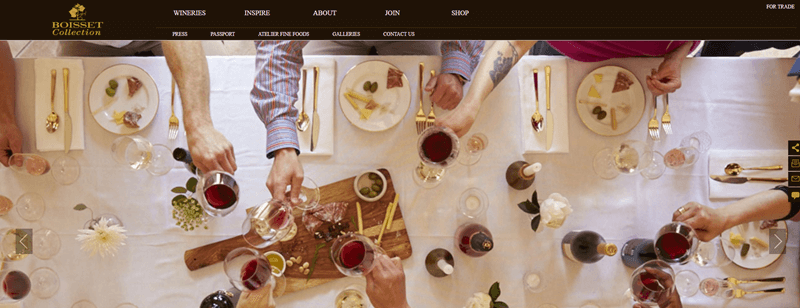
x: 386, y: 283
x: 709, y: 222
x: 210, y: 149
x: 671, y: 300
x: 499, y: 60
x: 10, y: 135
x: 459, y: 59
x: 668, y: 77
x: 275, y: 88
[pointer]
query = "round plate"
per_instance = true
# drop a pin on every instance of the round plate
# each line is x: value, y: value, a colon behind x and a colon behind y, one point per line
x: 757, y: 257
x: 631, y: 99
x: 396, y: 100
x: 102, y: 106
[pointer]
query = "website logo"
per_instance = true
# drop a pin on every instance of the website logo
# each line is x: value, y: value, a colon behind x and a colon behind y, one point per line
x: 77, y: 24
x: 78, y: 12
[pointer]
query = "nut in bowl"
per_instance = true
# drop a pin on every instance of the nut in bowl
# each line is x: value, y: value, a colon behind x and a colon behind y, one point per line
x: 370, y: 185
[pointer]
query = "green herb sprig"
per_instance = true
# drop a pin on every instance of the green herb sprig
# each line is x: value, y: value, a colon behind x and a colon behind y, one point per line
x: 314, y: 260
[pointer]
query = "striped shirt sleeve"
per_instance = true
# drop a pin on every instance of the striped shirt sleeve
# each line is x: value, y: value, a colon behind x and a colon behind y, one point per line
x: 278, y: 65
x: 461, y: 57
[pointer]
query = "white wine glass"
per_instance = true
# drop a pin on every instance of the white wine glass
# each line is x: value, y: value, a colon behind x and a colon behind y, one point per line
x: 268, y: 223
x: 472, y: 150
x: 629, y: 157
x: 9, y: 241
x: 137, y: 153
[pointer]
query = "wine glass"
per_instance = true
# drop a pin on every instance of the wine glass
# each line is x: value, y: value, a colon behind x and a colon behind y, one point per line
x: 28, y: 163
x: 46, y: 243
x: 686, y: 282
x: 220, y: 193
x: 112, y: 221
x: 689, y: 151
x: 656, y: 167
x: 268, y: 223
x: 30, y: 206
x: 65, y: 170
x: 309, y: 195
x: 437, y: 147
x: 137, y: 153
x: 127, y: 305
x: 532, y: 280
x: 83, y: 304
x: 473, y: 149
x: 354, y: 254
x: 8, y: 245
x: 16, y: 286
x: 45, y: 282
x: 248, y: 270
x: 5, y: 205
x: 677, y: 242
x: 473, y: 203
x: 352, y: 296
x: 713, y: 287
x: 630, y: 156
x: 653, y: 282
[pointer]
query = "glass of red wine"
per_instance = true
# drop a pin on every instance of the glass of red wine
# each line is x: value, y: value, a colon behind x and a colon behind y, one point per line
x: 354, y: 254
x: 248, y: 270
x: 437, y: 147
x: 220, y: 193
x: 16, y: 286
x: 653, y: 282
x: 268, y: 223
x: 676, y: 242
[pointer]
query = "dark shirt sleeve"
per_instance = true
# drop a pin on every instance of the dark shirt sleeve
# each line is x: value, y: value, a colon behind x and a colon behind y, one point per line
x: 795, y: 205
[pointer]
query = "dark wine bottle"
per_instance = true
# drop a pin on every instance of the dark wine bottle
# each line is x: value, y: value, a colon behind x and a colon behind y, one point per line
x: 586, y: 246
x: 439, y: 262
x: 637, y: 251
x: 221, y: 299
x: 473, y: 239
x: 520, y: 175
x: 182, y: 155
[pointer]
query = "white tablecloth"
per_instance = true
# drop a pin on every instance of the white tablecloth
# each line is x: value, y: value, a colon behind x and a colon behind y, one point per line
x: 742, y: 103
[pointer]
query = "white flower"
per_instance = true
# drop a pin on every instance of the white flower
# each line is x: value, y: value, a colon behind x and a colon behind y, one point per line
x: 555, y: 210
x: 479, y: 300
x: 104, y: 239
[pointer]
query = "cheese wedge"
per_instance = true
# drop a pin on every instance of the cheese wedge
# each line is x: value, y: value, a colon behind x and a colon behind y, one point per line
x: 593, y: 92
x: 358, y: 96
x: 365, y: 113
x: 598, y: 78
x: 759, y: 242
x: 352, y: 102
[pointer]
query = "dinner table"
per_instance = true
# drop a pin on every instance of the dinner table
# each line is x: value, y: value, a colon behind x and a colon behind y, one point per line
x: 742, y: 103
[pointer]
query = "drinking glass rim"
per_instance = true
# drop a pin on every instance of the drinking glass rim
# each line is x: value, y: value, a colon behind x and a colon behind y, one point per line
x: 436, y: 129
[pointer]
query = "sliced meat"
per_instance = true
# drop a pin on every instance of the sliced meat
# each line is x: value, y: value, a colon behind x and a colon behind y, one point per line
x: 622, y: 83
x: 311, y: 223
x: 133, y: 86
x: 131, y: 119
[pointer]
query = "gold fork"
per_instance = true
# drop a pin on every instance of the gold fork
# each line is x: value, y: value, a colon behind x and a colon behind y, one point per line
x: 734, y: 282
x: 420, y: 119
x: 652, y: 126
x: 173, y: 120
x: 739, y: 293
x: 431, y: 115
x: 665, y: 119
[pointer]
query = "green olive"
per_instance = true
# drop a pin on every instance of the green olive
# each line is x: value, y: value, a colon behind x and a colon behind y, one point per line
x: 113, y: 84
x: 745, y: 249
x: 111, y: 92
x: 378, y: 182
x: 601, y: 115
x: 597, y: 110
x: 367, y: 86
x: 372, y: 194
x: 377, y: 188
x: 364, y: 191
x: 373, y: 176
x: 374, y: 87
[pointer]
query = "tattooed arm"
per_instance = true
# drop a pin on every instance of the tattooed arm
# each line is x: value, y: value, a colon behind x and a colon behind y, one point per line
x: 494, y: 67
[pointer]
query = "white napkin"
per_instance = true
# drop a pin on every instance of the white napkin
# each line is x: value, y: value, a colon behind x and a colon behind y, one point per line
x: 536, y: 142
x: 794, y: 93
x: 718, y: 159
x: 55, y: 141
x: 325, y: 96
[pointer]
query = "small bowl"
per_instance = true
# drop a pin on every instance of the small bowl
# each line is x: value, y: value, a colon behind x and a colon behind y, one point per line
x: 363, y: 180
x: 275, y: 257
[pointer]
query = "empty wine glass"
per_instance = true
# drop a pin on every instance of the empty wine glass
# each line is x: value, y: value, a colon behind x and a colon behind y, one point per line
x: 473, y: 149
x: 248, y: 270
x: 687, y: 282
x: 354, y: 254
x: 653, y: 282
x: 268, y: 223
x: 28, y: 163
x: 532, y: 280
x: 16, y: 286
x: 46, y: 243
x: 127, y: 305
x: 30, y: 206
x: 689, y: 151
x: 111, y: 218
x: 309, y: 195
x: 137, y: 153
x: 630, y: 156
x: 45, y: 282
x: 65, y: 170
x: 220, y: 193
x: 473, y: 203
x: 437, y: 147
x: 83, y: 304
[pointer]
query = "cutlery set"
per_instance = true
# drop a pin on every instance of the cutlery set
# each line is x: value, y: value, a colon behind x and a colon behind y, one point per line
x: 735, y: 292
x: 536, y: 118
x: 666, y: 121
x: 421, y: 120
x: 52, y: 120
x: 734, y: 169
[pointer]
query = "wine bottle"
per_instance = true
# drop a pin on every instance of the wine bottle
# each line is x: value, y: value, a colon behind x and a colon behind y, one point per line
x: 586, y: 246
x: 439, y: 262
x: 637, y: 251
x: 182, y: 155
x: 473, y: 239
x: 221, y: 299
x: 520, y: 174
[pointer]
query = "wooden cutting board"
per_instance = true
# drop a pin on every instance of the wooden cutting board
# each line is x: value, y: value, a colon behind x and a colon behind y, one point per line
x: 395, y: 240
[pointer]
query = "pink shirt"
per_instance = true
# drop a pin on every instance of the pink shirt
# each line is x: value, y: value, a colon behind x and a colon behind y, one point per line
x: 593, y: 51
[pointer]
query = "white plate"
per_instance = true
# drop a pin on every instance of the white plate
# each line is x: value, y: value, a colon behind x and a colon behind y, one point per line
x: 397, y: 99
x: 757, y: 257
x: 633, y: 97
x: 145, y: 99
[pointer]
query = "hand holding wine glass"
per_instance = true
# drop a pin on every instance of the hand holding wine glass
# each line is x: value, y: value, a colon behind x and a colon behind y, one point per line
x: 286, y: 170
x: 707, y: 222
x: 386, y: 283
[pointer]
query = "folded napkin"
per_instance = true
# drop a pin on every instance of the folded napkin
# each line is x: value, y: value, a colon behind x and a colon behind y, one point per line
x: 55, y: 141
x: 325, y: 104
x: 536, y: 142
x: 718, y: 159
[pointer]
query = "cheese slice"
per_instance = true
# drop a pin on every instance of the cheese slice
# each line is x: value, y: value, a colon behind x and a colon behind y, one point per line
x: 365, y: 113
x: 358, y: 96
x: 593, y: 92
x: 353, y: 103
x: 598, y: 78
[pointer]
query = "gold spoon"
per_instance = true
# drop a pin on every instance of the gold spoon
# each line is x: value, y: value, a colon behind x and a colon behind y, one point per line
x: 52, y: 118
x: 536, y: 118
x: 735, y: 169
x: 302, y: 119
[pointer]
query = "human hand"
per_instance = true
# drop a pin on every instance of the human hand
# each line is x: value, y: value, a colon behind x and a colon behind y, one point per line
x: 210, y: 150
x: 261, y: 298
x: 670, y: 300
x: 446, y: 90
x: 286, y: 170
x: 707, y: 222
x: 667, y: 78
x: 386, y: 283
x: 460, y: 119
x: 10, y: 142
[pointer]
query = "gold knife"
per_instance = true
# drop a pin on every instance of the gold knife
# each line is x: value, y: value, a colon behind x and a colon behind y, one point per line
x: 67, y: 118
x: 744, y: 179
x: 549, y: 120
x: 315, y: 124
